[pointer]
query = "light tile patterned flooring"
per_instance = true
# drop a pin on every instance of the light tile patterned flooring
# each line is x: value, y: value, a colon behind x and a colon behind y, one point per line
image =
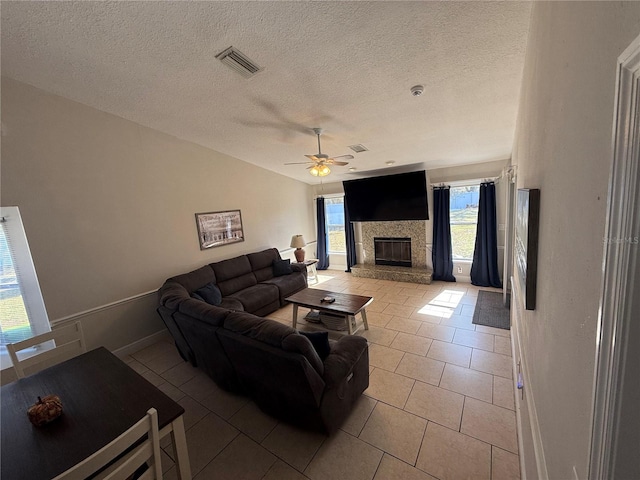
x: 440, y: 404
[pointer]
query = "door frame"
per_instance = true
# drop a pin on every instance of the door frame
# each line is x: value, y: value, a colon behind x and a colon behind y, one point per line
x: 507, y: 269
x: 620, y: 265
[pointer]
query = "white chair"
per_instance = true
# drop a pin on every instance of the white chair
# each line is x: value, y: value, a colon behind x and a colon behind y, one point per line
x: 122, y: 463
x: 69, y: 342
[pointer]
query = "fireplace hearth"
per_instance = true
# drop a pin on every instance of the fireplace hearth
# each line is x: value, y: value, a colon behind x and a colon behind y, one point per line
x: 393, y: 251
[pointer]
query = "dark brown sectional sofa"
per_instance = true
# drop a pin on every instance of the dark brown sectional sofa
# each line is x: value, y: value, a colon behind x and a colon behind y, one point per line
x: 267, y: 360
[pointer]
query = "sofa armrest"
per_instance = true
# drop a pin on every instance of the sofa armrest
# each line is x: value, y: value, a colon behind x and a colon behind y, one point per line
x: 345, y: 353
x: 299, y: 267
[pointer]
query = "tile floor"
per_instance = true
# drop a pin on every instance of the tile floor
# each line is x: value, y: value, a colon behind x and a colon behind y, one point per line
x: 440, y: 404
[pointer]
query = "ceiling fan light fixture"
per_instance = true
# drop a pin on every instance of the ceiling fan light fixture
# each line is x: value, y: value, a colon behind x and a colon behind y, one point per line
x: 319, y: 171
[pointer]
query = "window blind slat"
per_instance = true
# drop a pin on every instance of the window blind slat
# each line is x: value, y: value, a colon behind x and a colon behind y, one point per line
x: 22, y: 310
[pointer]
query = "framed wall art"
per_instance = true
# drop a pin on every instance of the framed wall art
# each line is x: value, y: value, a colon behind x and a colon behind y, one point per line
x: 526, y: 242
x: 219, y: 228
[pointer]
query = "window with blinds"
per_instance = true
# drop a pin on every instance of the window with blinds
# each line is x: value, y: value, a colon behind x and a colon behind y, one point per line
x: 22, y: 310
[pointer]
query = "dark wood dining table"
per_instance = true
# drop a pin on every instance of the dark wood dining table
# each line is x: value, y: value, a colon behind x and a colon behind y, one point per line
x: 101, y: 396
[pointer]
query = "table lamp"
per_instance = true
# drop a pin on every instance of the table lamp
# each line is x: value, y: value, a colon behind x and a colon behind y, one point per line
x: 297, y: 242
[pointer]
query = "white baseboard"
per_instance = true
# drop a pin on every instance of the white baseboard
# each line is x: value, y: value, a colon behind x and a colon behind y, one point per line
x: 516, y: 394
x: 142, y: 343
x: 517, y: 306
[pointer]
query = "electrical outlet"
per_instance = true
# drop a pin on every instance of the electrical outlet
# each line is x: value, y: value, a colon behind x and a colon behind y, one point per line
x: 459, y: 269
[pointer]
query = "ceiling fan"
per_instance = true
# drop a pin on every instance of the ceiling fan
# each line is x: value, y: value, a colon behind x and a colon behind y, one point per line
x: 320, y: 161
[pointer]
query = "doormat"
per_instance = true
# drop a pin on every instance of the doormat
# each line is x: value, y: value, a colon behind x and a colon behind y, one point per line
x: 490, y: 311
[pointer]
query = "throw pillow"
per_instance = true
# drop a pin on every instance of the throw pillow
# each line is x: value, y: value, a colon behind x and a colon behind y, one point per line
x: 281, y: 267
x: 210, y: 294
x: 320, y: 341
x: 197, y: 297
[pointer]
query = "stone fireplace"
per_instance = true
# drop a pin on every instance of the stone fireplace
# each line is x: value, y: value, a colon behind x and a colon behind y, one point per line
x: 415, y: 230
x: 413, y: 257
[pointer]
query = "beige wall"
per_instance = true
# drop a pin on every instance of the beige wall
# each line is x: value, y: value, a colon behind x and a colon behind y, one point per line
x: 108, y: 206
x: 563, y: 147
x: 472, y: 171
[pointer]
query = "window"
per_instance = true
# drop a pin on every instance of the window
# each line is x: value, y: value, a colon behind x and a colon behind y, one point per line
x: 463, y: 211
x: 22, y: 310
x: 334, y: 211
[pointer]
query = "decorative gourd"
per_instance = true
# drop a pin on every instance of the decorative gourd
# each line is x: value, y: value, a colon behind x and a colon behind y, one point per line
x: 45, y: 410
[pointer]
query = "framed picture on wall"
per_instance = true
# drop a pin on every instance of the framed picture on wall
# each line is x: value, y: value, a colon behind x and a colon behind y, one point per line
x: 219, y: 228
x: 526, y: 243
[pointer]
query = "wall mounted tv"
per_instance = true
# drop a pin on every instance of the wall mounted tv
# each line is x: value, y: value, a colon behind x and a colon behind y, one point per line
x: 387, y: 198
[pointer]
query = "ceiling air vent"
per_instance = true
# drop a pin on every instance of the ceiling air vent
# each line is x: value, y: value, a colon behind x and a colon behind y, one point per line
x: 358, y: 148
x: 239, y: 62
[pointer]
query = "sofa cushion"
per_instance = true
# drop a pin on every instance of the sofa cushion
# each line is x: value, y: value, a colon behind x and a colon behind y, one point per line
x: 233, y: 285
x: 209, y: 314
x: 320, y: 342
x: 193, y: 280
x: 289, y: 284
x: 232, y: 304
x: 282, y: 383
x: 297, y: 343
x: 255, y: 297
x: 281, y: 267
x: 275, y: 334
x: 261, y: 329
x: 261, y: 263
x: 209, y: 293
x: 231, y: 268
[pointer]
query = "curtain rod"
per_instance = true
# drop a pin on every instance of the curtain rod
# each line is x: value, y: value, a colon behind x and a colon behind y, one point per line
x: 329, y: 195
x: 465, y: 183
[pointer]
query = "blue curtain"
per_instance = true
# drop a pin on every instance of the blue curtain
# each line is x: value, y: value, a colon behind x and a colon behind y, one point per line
x: 484, y: 270
x: 441, y: 254
x: 350, y: 238
x: 322, y: 238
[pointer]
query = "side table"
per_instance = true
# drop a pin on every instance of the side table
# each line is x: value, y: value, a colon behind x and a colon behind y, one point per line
x: 312, y: 273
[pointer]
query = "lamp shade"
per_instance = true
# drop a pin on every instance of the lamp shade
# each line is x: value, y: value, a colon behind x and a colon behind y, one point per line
x: 297, y: 241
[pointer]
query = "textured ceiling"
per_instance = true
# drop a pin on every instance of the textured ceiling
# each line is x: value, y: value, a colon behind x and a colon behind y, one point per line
x: 344, y: 66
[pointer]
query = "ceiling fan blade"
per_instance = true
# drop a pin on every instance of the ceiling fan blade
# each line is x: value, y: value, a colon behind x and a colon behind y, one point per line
x: 298, y: 163
x: 340, y: 164
x: 313, y: 157
x: 346, y: 157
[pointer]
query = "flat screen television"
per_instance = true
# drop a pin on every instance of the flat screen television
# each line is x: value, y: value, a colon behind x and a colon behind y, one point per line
x: 387, y: 198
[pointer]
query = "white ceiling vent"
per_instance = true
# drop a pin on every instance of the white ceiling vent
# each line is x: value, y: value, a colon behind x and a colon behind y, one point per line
x: 239, y: 62
x: 358, y: 148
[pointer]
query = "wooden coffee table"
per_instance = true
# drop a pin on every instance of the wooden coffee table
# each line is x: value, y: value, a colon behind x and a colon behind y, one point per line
x: 346, y: 304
